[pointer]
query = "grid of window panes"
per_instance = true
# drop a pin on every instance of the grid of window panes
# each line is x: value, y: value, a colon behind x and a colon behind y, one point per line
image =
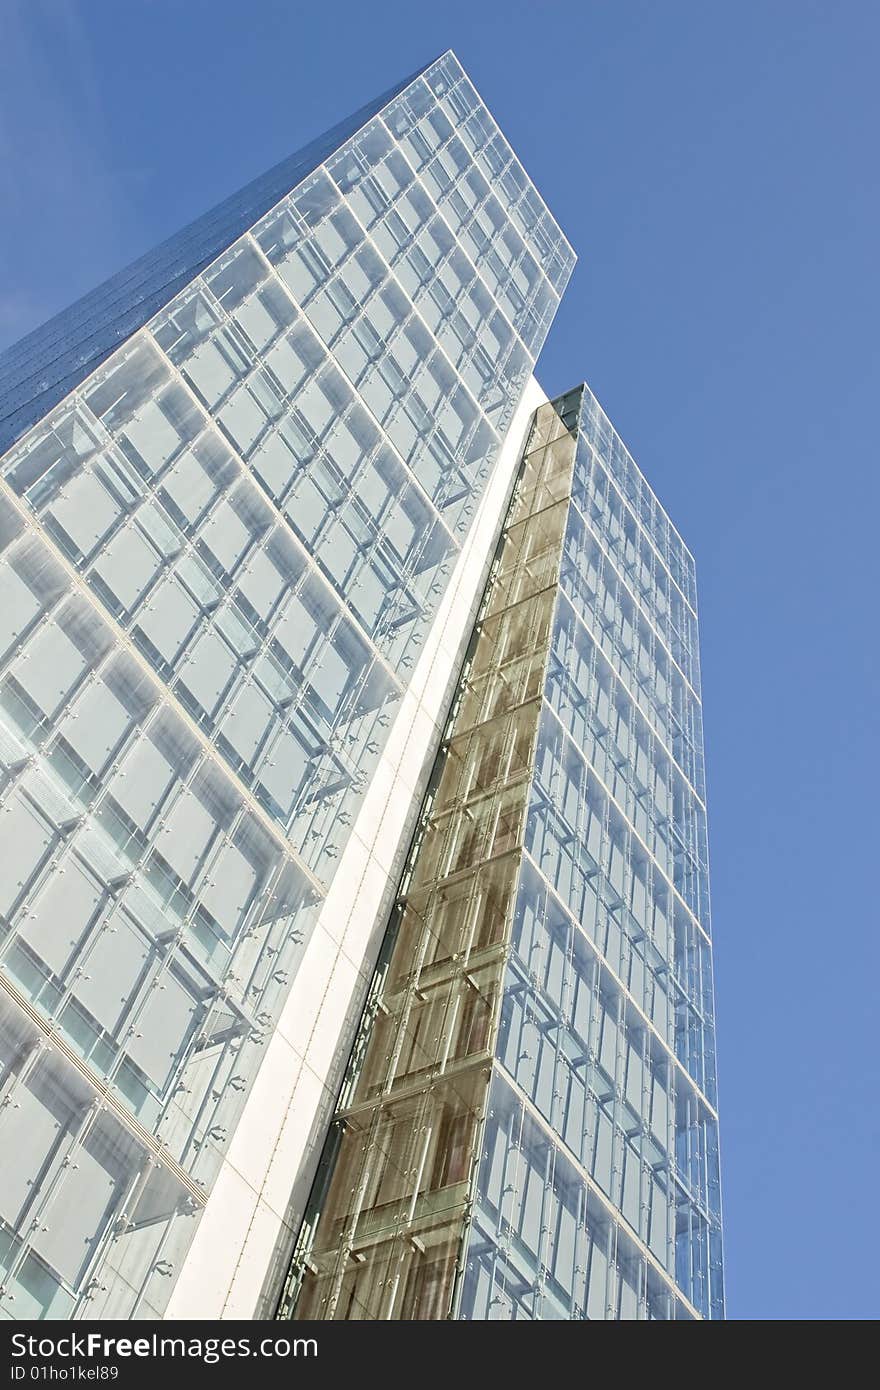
x: 44, y: 366
x: 222, y: 554
x: 600, y: 1171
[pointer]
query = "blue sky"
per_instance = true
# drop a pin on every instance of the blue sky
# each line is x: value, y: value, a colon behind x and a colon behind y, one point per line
x: 715, y: 167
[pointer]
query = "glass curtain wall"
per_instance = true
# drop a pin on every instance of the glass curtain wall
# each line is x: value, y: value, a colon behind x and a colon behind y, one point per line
x: 220, y: 556
x: 598, y: 1192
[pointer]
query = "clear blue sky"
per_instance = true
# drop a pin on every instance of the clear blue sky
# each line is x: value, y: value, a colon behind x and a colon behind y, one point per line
x: 715, y: 166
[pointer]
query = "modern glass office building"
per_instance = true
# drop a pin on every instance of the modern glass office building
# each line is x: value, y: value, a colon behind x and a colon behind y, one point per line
x: 355, y: 955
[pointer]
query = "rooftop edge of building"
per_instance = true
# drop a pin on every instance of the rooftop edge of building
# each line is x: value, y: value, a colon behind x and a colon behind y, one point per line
x: 39, y: 370
x: 585, y: 391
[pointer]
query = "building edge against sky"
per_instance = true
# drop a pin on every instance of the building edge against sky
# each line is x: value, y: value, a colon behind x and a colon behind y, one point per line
x: 251, y: 499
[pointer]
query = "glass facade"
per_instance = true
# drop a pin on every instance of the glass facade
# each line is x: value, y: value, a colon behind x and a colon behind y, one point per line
x: 236, y: 481
x: 37, y: 372
x: 529, y: 1127
x: 598, y: 1191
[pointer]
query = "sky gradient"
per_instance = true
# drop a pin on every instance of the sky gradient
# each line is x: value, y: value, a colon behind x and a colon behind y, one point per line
x: 715, y: 168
